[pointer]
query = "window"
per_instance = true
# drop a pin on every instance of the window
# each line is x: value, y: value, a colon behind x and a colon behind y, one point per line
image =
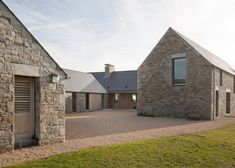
x: 228, y: 102
x: 87, y: 101
x: 116, y: 97
x: 234, y: 84
x: 74, y: 100
x: 133, y: 98
x: 221, y: 77
x: 217, y: 103
x: 179, y: 70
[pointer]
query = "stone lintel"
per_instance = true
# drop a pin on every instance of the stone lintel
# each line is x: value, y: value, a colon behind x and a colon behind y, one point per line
x: 178, y: 55
x: 27, y: 70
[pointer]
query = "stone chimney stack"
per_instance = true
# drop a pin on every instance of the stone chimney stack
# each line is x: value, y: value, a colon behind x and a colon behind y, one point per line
x: 108, y: 70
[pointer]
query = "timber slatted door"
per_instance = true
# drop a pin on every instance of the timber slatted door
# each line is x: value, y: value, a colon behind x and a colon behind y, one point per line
x: 24, y: 111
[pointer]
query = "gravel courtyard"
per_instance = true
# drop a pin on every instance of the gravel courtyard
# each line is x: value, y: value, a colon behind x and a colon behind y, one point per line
x: 108, y: 127
x: 107, y: 122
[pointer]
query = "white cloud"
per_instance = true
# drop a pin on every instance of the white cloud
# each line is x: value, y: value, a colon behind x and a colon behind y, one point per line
x: 84, y: 35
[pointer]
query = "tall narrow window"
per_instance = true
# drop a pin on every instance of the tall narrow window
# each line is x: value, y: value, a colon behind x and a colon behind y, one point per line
x: 87, y: 101
x: 179, y: 70
x: 74, y: 100
x: 217, y: 103
x: 221, y: 77
x: 234, y: 84
x: 228, y: 102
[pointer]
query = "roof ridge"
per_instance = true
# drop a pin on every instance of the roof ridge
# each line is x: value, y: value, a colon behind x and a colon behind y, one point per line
x: 74, y: 70
x: 116, y: 71
x: 87, y: 82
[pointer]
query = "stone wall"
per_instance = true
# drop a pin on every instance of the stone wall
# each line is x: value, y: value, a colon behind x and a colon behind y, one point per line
x: 51, y: 112
x: 6, y: 112
x: 227, y: 86
x: 81, y: 102
x: 95, y: 102
x: 68, y: 102
x: 157, y: 96
x: 18, y: 47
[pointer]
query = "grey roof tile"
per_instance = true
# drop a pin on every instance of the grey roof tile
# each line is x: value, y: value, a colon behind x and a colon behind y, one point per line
x: 82, y: 82
x: 119, y: 81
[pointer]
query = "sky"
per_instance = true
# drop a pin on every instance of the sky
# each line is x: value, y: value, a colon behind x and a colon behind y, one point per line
x: 84, y: 35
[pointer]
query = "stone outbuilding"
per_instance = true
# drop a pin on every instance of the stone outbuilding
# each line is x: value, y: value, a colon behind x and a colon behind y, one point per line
x: 31, y: 88
x: 83, y: 92
x: 179, y: 78
x: 121, y: 87
x: 100, y: 90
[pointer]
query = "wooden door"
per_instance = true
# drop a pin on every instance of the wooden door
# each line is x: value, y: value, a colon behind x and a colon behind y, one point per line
x: 95, y: 102
x: 24, y: 110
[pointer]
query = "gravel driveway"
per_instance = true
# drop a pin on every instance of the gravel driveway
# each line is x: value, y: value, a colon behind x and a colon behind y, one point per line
x: 107, y: 122
x: 110, y: 127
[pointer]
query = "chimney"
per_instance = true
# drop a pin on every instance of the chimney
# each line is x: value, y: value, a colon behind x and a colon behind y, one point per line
x: 108, y: 70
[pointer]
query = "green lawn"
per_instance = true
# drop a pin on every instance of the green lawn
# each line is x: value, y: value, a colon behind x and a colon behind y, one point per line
x: 207, y: 149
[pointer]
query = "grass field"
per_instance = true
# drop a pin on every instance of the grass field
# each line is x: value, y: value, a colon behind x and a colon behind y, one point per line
x: 207, y: 149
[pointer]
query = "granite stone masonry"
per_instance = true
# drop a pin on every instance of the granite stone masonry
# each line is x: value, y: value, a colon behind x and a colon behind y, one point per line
x: 22, y: 55
x: 226, y: 87
x: 79, y: 104
x: 196, y: 98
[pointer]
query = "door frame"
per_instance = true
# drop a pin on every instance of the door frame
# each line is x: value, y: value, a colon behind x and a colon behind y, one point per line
x: 33, y: 86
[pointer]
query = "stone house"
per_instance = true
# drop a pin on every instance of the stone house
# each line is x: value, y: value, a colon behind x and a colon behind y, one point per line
x: 83, y: 92
x: 100, y: 90
x: 179, y: 78
x: 31, y: 88
x: 121, y: 87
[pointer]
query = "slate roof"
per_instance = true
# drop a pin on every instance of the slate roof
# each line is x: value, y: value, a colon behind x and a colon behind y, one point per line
x: 82, y: 82
x: 213, y: 59
x: 118, y: 82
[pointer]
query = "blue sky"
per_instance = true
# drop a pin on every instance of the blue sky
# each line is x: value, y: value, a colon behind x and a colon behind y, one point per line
x: 85, y: 34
